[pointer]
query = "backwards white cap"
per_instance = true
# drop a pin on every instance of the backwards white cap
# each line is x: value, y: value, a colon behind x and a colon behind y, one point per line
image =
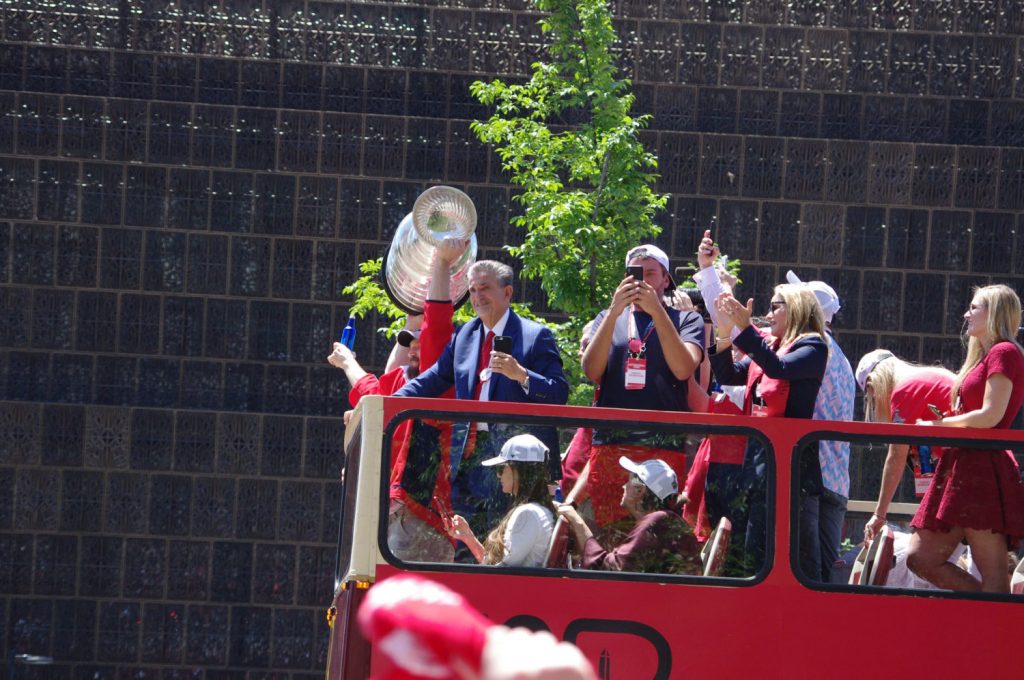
x: 826, y: 294
x: 655, y: 474
x: 868, y: 362
x: 655, y: 253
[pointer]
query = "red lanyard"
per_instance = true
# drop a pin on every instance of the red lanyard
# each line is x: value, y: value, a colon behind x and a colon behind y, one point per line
x: 636, y: 344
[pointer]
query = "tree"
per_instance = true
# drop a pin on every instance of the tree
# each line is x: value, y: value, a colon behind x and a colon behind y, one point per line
x: 587, y: 188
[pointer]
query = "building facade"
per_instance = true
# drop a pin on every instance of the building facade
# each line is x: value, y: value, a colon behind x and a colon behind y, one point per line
x: 186, y: 187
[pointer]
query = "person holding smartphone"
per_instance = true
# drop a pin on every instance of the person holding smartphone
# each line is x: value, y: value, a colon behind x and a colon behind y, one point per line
x: 977, y: 495
x: 898, y: 391
x: 642, y: 355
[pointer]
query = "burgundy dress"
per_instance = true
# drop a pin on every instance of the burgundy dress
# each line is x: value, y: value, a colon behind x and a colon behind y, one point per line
x: 980, y: 488
x: 660, y: 543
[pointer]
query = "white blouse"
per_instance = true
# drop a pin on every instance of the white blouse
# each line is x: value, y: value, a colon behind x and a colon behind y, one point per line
x: 527, y: 536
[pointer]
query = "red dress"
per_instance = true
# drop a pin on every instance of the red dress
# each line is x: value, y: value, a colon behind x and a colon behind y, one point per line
x: 980, y: 488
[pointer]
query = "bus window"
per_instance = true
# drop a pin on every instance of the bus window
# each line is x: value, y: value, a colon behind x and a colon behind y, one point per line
x: 642, y: 498
x: 864, y: 539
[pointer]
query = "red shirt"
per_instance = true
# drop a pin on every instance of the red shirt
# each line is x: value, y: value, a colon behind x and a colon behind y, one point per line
x: 576, y: 458
x: 436, y: 333
x: 910, y: 399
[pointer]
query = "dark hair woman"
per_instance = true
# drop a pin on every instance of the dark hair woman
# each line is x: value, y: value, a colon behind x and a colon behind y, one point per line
x: 521, y: 537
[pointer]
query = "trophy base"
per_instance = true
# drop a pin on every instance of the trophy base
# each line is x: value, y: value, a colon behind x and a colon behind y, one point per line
x: 395, y: 299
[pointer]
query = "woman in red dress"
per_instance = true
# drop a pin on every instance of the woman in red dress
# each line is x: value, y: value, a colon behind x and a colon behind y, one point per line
x: 977, y: 494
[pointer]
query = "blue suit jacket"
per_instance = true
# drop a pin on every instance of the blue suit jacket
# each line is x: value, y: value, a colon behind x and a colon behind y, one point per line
x: 533, y: 346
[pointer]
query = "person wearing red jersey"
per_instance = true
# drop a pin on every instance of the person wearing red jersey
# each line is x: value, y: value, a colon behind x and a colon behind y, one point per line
x: 420, y: 490
x: 897, y: 391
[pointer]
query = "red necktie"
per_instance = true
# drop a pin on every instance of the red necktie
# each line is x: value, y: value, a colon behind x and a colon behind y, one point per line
x: 483, y: 362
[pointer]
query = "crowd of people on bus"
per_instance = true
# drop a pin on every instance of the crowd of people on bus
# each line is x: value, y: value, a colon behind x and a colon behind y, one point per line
x: 657, y: 348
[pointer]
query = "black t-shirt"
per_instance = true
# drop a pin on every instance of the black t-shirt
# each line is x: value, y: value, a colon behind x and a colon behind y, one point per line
x: 662, y: 390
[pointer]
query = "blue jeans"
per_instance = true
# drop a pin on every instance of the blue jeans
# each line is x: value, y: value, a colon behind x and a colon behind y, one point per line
x: 831, y: 514
x: 722, y: 494
x: 738, y: 492
x: 808, y: 543
x: 820, y: 526
x: 755, y: 481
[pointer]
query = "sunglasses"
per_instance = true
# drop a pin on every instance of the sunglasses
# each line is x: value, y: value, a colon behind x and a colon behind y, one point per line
x: 775, y: 304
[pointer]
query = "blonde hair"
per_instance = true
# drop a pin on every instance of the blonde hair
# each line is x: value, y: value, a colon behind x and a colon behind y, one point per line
x: 882, y: 381
x: 804, y: 315
x: 1004, y: 316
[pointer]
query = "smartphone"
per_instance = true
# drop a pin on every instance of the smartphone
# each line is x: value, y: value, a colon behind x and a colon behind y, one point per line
x: 503, y: 344
x: 636, y: 271
x: 683, y: 273
x: 935, y: 409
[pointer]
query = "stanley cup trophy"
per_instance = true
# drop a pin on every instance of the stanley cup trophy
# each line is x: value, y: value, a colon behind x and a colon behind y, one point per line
x: 439, y: 212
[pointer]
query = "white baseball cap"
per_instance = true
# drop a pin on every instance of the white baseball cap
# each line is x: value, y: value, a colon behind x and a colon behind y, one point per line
x: 406, y: 336
x: 656, y: 254
x: 655, y: 474
x: 826, y: 294
x: 523, y: 448
x: 868, y: 362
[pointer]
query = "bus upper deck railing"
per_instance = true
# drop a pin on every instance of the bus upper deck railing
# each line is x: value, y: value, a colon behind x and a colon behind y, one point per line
x: 641, y: 625
x: 377, y: 419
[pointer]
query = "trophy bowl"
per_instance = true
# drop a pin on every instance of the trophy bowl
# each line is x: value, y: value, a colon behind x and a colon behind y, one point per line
x: 442, y: 211
x: 438, y: 212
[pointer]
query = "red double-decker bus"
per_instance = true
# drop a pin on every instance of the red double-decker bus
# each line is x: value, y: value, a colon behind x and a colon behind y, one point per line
x: 771, y: 622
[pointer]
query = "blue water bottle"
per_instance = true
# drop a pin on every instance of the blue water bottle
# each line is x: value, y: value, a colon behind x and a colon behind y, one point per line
x: 924, y: 456
x: 348, y: 334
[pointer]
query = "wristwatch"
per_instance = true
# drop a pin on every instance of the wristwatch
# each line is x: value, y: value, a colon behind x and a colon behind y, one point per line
x: 526, y: 384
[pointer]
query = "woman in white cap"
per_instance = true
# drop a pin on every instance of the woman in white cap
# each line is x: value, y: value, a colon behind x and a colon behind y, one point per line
x: 977, y: 494
x: 521, y: 537
x: 897, y: 391
x: 660, y: 542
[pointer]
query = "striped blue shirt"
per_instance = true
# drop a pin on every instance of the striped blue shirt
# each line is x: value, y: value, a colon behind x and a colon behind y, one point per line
x: 835, y: 402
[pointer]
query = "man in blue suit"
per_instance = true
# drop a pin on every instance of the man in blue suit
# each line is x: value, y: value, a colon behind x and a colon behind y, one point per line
x: 530, y: 373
